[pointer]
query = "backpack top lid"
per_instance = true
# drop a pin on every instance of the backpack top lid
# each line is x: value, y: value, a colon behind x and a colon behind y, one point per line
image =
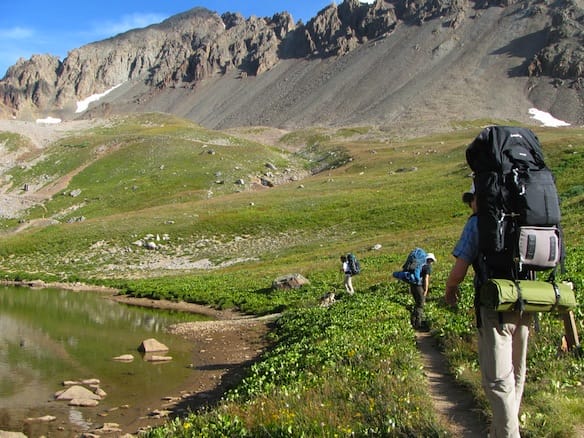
x: 415, y: 260
x: 500, y: 148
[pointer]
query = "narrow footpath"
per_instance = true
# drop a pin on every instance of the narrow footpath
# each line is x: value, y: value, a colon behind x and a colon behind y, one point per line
x: 453, y: 404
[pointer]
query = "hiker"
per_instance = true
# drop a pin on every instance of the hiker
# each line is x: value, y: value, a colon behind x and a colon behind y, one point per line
x: 348, y: 275
x: 502, y: 336
x: 420, y: 292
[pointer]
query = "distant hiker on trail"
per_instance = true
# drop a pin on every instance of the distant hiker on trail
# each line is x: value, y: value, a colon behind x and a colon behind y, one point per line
x: 416, y: 273
x: 346, y: 271
x: 411, y: 271
x: 420, y: 292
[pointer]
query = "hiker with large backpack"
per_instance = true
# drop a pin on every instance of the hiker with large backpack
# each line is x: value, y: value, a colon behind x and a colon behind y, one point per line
x: 502, y: 337
x: 419, y: 292
x: 416, y: 273
x: 513, y: 193
x: 349, y: 266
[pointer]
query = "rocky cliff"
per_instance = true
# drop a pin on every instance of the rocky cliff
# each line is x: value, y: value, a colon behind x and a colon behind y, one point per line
x: 191, y: 51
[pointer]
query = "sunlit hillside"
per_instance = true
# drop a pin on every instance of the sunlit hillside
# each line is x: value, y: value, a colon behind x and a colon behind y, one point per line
x: 154, y: 195
x: 158, y: 207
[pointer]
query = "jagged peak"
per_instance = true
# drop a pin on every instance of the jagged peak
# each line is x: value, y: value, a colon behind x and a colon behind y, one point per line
x: 198, y: 44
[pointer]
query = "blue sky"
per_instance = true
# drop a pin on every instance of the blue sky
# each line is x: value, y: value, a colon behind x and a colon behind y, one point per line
x: 29, y: 27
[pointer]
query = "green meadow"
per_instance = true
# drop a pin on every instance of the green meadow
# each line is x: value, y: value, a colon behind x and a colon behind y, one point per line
x: 253, y: 212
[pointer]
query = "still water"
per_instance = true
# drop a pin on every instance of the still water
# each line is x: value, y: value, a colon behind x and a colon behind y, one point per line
x: 48, y: 336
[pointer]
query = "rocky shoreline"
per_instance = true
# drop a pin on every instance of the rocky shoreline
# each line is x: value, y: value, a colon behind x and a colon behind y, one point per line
x: 222, y: 349
x: 114, y: 295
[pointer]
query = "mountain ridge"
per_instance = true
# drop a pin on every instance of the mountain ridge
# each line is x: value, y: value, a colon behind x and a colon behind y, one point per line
x: 395, y: 64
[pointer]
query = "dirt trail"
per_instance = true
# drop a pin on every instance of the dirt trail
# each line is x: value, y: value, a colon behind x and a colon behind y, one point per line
x: 453, y: 403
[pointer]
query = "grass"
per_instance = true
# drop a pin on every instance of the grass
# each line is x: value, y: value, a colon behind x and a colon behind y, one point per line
x: 348, y: 370
x: 335, y: 371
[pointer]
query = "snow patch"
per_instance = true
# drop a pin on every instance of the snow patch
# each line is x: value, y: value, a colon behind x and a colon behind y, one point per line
x: 84, y: 104
x: 49, y: 121
x: 546, y: 118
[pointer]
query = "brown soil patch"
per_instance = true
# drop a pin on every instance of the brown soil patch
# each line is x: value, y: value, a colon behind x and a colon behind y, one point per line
x: 223, y: 349
x: 454, y: 405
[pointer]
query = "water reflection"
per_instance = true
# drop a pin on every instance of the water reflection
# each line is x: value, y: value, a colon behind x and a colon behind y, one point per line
x: 48, y: 336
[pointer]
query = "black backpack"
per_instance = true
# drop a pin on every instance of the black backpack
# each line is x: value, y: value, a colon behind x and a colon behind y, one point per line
x: 353, y: 263
x: 518, y: 206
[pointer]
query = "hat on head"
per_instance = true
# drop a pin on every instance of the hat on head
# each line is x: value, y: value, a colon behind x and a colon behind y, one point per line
x: 431, y: 256
x: 469, y: 195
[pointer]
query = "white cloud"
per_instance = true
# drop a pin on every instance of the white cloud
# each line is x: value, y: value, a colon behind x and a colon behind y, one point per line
x: 546, y: 119
x: 17, y: 33
x: 127, y: 22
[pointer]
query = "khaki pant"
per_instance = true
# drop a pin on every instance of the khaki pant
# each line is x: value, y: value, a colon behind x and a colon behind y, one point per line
x: 502, y: 357
x: 349, y: 284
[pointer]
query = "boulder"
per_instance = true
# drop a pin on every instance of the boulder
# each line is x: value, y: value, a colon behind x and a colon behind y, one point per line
x: 124, y: 358
x: 43, y: 419
x: 83, y: 402
x: 77, y: 392
x: 8, y: 434
x: 159, y: 413
x: 152, y: 346
x: 100, y: 392
x: 290, y: 281
x: 327, y: 299
x: 157, y: 358
x: 109, y: 428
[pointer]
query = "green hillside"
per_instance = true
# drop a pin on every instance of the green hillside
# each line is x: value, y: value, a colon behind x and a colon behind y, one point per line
x: 301, y: 203
x: 162, y: 176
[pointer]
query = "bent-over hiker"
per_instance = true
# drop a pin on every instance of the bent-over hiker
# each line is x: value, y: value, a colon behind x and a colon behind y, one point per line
x: 419, y: 292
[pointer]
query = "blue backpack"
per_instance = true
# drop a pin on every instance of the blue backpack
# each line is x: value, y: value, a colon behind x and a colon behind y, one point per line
x: 354, y: 265
x: 412, y: 269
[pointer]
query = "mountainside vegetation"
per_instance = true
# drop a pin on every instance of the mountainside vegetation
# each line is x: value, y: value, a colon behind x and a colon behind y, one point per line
x: 159, y: 207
